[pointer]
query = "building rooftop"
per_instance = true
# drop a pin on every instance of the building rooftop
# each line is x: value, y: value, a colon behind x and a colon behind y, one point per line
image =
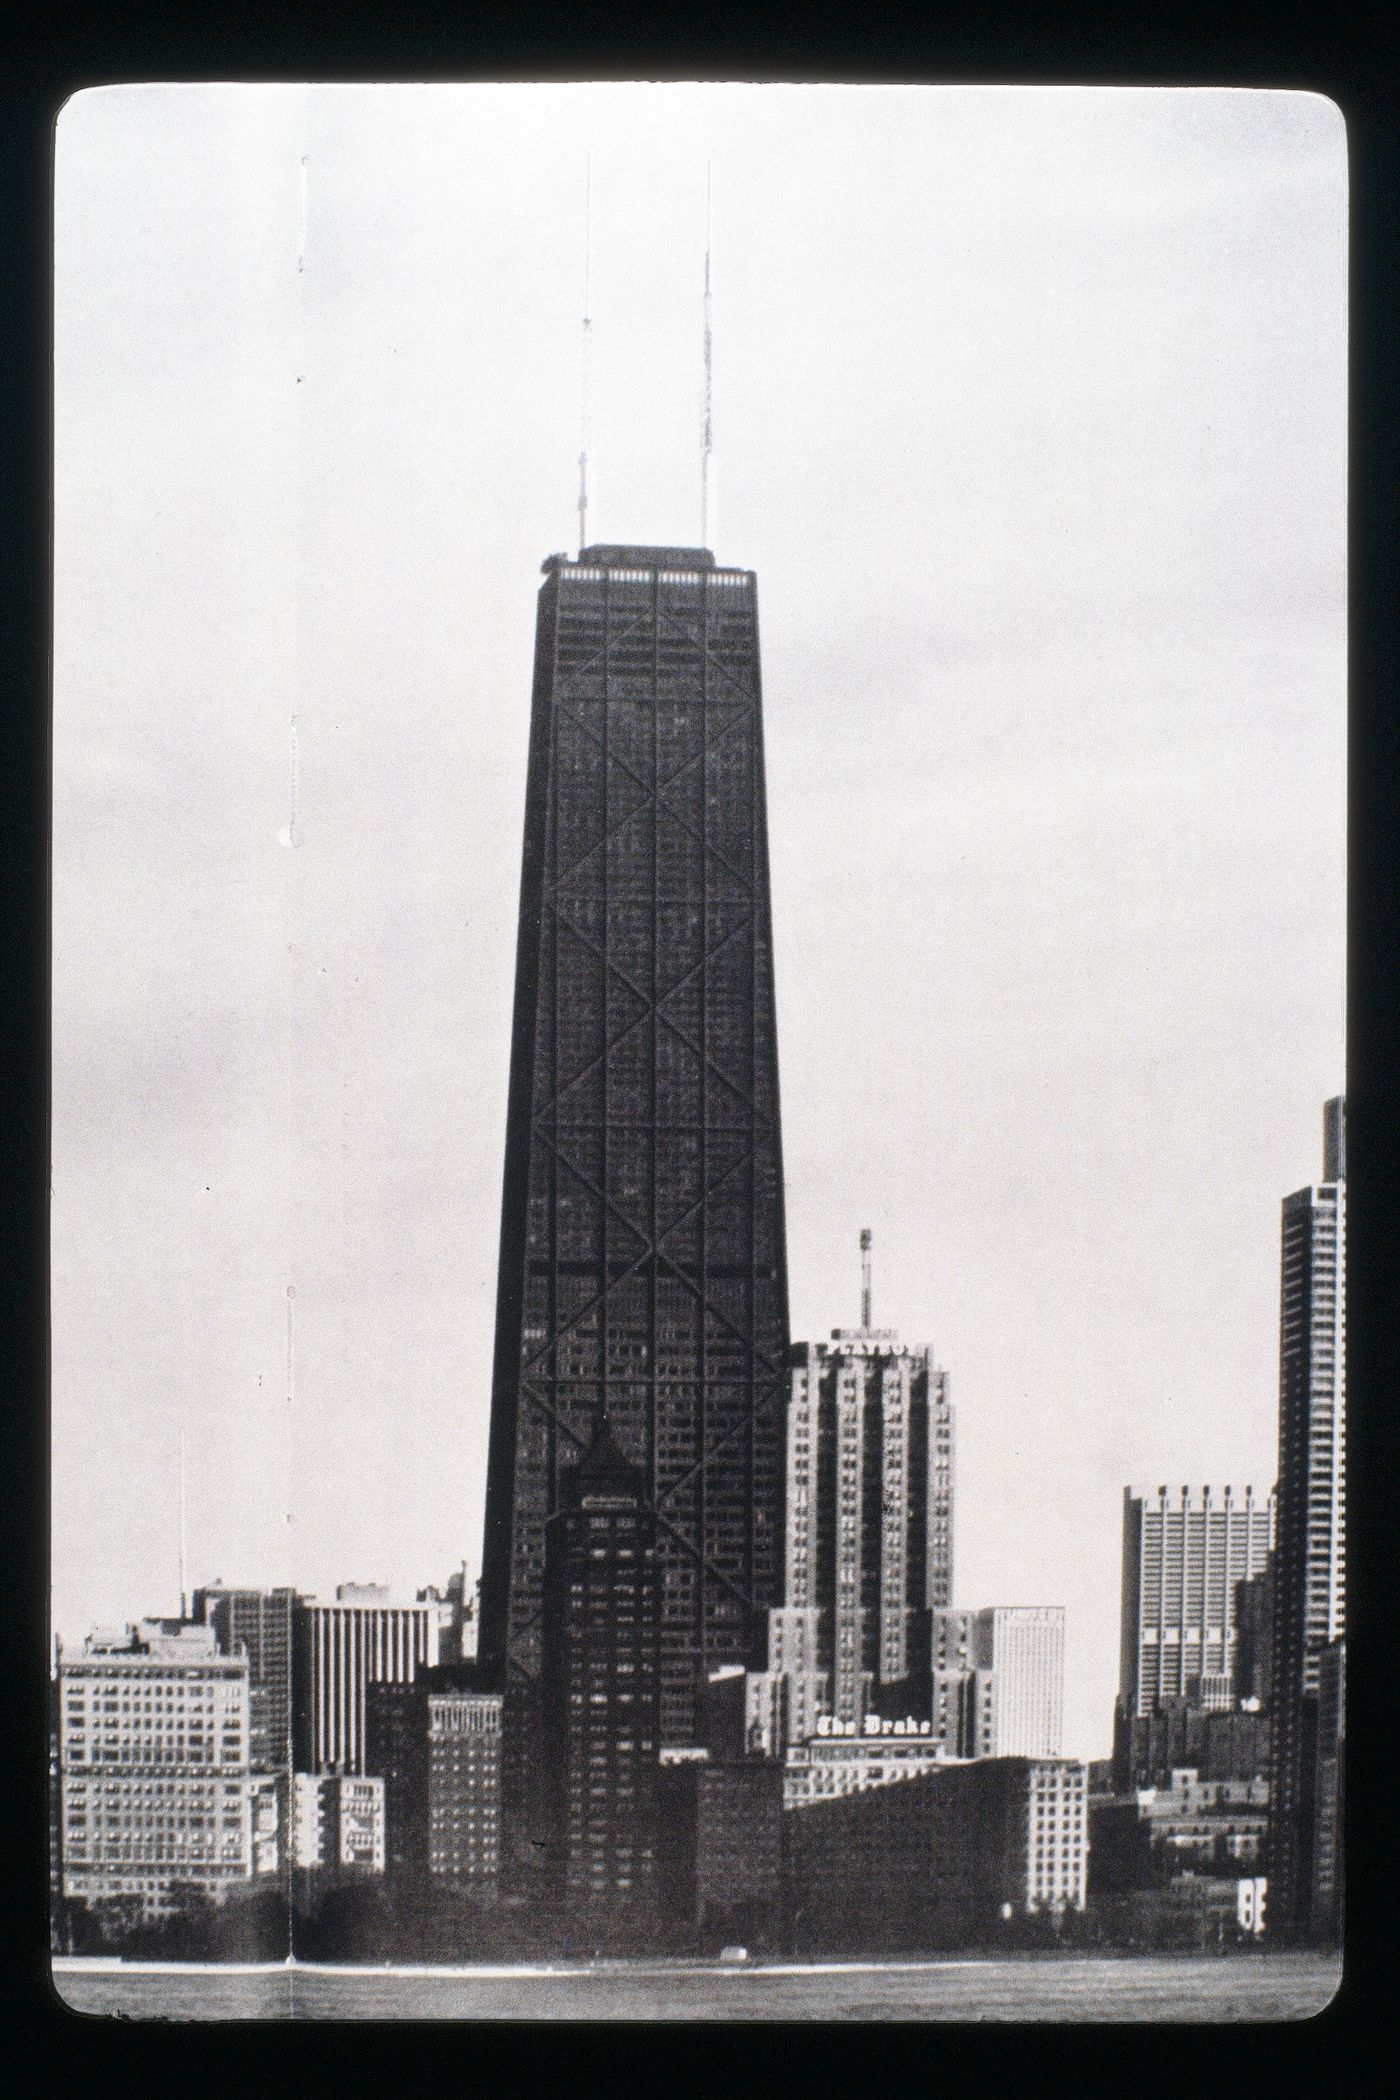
x: 620, y: 556
x: 604, y: 1475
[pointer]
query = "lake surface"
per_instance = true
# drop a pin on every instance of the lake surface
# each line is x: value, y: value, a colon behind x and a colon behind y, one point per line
x: 1045, y: 1987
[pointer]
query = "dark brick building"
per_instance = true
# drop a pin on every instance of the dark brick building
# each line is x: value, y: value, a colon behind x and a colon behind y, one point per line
x: 599, y: 1705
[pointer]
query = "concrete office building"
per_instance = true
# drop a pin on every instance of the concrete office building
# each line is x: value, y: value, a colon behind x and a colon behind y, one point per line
x: 339, y: 1649
x: 157, y: 1792
x: 1185, y: 1552
x: 870, y: 1508
x: 1310, y: 1560
x: 998, y: 1680
x: 1196, y: 1564
x: 739, y: 1835
x: 642, y: 1265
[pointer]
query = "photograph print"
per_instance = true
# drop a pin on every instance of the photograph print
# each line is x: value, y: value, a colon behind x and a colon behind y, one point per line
x: 698, y: 1264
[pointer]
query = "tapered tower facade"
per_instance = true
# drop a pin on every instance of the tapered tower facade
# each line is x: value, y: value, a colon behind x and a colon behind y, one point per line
x: 642, y: 1262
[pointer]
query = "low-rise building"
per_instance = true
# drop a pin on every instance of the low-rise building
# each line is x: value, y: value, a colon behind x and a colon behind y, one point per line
x: 338, y: 1823
x: 1178, y: 1735
x: 948, y: 1857
x: 1203, y: 1827
x: 832, y: 1766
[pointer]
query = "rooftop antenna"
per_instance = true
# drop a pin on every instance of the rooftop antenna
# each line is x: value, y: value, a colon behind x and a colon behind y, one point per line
x: 184, y: 1592
x: 865, y: 1240
x: 707, y: 421
x: 587, y: 346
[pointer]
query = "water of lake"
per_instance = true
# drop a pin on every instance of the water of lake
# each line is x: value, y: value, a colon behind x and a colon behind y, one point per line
x: 1136, y: 1988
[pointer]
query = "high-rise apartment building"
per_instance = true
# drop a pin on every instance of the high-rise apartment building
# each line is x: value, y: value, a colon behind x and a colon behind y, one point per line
x: 1329, y: 1796
x: 258, y: 1624
x: 157, y: 1791
x: 642, y: 1260
x: 338, y: 1649
x: 464, y: 1782
x: 436, y: 1744
x: 396, y: 1751
x: 600, y: 1705
x: 1310, y: 1560
x: 1185, y: 1553
x: 998, y: 1680
x: 870, y: 1509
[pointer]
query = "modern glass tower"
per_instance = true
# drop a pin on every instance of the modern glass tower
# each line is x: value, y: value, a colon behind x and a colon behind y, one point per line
x: 642, y: 1262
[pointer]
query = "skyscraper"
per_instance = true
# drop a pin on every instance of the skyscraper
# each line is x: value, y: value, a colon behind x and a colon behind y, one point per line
x: 1310, y: 1562
x: 1185, y: 1553
x: 870, y: 1509
x: 642, y: 1262
x: 1194, y: 1559
x: 338, y: 1650
x: 258, y: 1624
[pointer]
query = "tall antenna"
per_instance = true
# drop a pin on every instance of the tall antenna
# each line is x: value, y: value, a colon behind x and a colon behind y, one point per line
x: 587, y: 345
x: 865, y: 1240
x: 707, y: 422
x: 184, y: 1591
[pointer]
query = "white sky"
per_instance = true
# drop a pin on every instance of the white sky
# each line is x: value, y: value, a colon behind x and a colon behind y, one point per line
x: 1030, y: 417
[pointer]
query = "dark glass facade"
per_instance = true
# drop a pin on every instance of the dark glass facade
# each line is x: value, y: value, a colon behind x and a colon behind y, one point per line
x: 642, y: 1263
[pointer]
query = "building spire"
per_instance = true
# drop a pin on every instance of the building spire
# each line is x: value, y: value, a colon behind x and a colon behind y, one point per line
x: 865, y: 1242
x: 586, y: 354
x: 184, y: 1589
x: 707, y: 418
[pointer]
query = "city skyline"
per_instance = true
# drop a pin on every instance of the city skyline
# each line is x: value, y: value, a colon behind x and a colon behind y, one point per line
x: 1057, y: 996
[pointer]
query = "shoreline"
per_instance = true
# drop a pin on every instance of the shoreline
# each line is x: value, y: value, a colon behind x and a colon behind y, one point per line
x: 643, y: 1965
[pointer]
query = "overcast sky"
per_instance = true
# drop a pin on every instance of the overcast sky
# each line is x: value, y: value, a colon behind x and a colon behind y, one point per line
x: 1030, y: 416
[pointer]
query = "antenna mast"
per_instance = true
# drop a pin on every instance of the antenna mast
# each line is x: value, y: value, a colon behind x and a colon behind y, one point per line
x: 587, y: 346
x: 184, y: 1592
x: 865, y: 1279
x: 707, y: 422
